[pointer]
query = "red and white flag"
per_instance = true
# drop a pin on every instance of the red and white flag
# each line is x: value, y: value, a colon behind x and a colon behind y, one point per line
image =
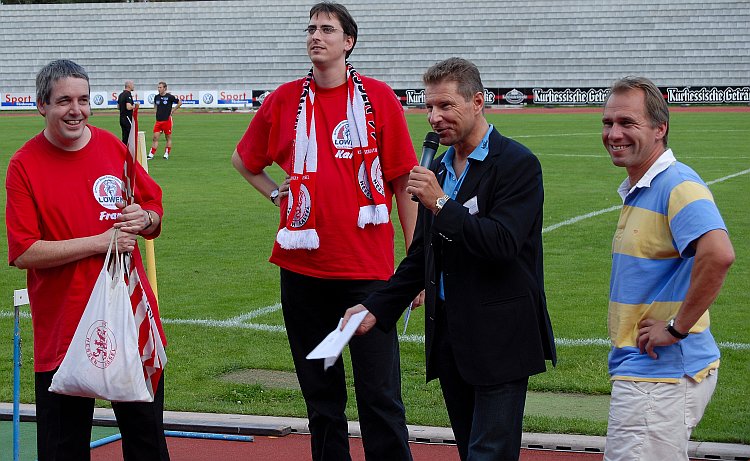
x: 150, y: 344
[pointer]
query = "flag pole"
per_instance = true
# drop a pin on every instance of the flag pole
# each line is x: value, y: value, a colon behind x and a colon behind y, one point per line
x: 148, y: 244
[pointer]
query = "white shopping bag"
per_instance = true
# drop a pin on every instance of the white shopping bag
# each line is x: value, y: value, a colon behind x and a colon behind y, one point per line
x: 103, y: 360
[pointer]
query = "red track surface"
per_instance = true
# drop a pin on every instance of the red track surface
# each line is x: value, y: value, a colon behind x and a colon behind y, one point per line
x: 296, y: 447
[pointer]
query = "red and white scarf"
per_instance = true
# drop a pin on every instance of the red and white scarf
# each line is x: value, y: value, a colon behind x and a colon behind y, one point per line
x: 299, y: 232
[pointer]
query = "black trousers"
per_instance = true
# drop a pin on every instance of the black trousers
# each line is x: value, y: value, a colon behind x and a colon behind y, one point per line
x: 487, y: 421
x: 312, y: 308
x: 64, y: 425
x: 125, y: 124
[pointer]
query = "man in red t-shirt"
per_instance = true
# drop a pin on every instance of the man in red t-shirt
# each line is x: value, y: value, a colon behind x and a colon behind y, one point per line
x: 342, y: 139
x: 61, y: 240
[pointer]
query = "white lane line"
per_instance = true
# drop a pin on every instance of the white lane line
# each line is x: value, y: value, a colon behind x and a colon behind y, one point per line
x: 225, y: 324
x: 605, y: 342
x: 555, y: 135
x: 411, y: 338
x: 256, y: 313
x: 576, y: 219
x: 733, y: 175
x: 599, y: 133
x: 605, y: 156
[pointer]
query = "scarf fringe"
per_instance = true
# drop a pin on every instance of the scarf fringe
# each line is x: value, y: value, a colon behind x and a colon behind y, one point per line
x: 306, y: 239
x: 372, y: 214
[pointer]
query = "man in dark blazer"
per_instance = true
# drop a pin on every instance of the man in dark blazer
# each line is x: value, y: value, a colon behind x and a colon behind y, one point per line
x: 477, y: 251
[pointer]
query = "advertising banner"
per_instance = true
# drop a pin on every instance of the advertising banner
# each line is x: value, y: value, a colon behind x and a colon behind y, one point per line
x: 99, y: 100
x: 235, y: 98
x: 16, y: 101
x: 410, y: 97
x: 713, y: 95
x: 569, y: 96
x: 259, y: 96
x: 549, y: 96
x: 112, y: 103
x: 415, y: 97
x: 188, y: 98
x: 208, y: 98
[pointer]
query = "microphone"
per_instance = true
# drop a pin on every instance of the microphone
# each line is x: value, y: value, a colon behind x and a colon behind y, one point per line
x: 429, y: 149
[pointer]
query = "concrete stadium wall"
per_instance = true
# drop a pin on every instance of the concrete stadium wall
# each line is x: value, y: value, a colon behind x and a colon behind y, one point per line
x: 256, y: 44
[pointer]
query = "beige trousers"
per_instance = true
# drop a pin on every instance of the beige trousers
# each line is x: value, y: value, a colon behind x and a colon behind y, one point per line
x: 653, y: 421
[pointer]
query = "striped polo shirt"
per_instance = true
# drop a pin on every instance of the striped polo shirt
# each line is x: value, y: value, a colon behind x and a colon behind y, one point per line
x: 652, y: 258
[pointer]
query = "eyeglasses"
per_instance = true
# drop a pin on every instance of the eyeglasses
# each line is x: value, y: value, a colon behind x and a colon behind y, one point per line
x: 327, y: 30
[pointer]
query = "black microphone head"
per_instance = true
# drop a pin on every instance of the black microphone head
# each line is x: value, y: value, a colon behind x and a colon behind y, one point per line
x: 429, y: 148
x: 432, y: 140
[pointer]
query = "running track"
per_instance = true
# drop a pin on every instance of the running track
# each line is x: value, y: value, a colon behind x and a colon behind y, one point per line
x: 296, y: 447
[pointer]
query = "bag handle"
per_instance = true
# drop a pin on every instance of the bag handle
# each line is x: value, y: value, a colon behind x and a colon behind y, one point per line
x: 119, y: 269
x: 112, y: 241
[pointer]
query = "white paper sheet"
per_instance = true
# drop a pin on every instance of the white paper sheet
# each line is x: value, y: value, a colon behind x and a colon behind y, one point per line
x: 330, y: 348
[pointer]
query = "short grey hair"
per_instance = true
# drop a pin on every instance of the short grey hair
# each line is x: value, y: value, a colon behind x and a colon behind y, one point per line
x: 54, y: 71
x: 464, y: 72
x: 656, y: 106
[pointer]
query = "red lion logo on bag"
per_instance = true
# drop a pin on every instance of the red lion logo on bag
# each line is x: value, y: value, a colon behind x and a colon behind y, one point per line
x: 101, y: 346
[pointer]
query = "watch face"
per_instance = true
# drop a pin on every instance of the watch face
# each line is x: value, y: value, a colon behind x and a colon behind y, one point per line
x: 274, y: 194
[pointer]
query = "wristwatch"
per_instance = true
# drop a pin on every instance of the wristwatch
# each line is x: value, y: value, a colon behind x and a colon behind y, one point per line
x: 672, y: 331
x: 440, y: 203
x: 274, y: 194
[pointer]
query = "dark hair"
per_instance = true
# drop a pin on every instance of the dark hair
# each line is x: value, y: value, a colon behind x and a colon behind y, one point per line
x: 54, y: 71
x: 342, y: 14
x: 163, y: 83
x: 458, y: 70
x: 657, y: 109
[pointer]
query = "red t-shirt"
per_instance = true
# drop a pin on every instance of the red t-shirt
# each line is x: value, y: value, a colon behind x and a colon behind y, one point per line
x: 346, y: 251
x: 59, y: 195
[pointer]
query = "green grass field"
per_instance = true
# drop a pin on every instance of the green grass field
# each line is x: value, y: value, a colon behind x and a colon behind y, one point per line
x: 218, y: 232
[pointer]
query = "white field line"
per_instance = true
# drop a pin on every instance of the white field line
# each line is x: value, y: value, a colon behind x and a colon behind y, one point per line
x: 599, y: 133
x: 605, y: 156
x: 733, y: 175
x: 419, y: 339
x: 576, y: 219
x: 240, y: 320
x: 256, y: 313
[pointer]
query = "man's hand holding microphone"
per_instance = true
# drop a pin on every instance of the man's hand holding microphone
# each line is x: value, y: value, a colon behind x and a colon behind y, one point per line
x: 423, y: 184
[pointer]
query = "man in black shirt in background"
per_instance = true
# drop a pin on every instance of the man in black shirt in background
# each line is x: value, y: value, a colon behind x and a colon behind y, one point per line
x: 126, y: 105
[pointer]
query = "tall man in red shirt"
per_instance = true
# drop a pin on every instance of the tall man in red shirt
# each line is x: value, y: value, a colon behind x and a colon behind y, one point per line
x: 61, y: 241
x: 342, y: 139
x: 166, y: 105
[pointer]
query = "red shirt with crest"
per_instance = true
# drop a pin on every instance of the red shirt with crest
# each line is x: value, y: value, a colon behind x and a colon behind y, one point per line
x: 60, y: 195
x: 346, y: 251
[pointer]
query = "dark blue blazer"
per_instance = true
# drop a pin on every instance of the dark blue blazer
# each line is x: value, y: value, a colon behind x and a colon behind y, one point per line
x: 496, y: 309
